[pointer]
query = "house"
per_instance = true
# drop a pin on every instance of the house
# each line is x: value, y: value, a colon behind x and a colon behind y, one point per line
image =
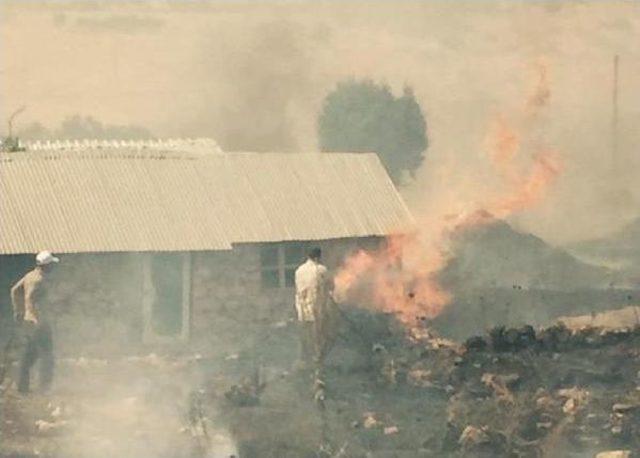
x: 166, y: 243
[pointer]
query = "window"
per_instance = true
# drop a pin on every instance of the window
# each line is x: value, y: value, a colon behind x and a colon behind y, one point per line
x: 294, y: 255
x: 278, y: 263
x: 269, y: 266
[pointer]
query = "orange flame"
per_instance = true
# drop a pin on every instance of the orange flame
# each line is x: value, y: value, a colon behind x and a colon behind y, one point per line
x: 397, y: 278
x: 529, y: 190
x: 503, y: 144
x: 401, y: 277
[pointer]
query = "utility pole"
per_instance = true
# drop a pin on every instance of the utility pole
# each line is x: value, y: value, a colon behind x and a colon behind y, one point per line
x: 615, y: 155
x: 9, y: 143
x: 11, y: 118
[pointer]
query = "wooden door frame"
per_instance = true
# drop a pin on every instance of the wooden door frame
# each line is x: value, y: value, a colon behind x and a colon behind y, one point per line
x: 148, y: 336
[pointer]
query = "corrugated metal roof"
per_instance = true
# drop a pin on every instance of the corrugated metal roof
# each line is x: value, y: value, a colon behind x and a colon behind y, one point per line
x: 118, y: 200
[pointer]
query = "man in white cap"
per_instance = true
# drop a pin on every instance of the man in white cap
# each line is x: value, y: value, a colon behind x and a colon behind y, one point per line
x: 29, y: 299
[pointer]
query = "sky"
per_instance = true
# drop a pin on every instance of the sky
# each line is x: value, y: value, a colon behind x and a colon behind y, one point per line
x: 253, y: 76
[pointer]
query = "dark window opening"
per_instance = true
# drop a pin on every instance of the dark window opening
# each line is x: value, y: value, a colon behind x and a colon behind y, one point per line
x: 278, y: 263
x: 290, y: 277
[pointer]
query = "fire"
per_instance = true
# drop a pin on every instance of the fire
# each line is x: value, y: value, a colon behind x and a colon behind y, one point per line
x: 529, y: 190
x: 402, y: 276
x: 524, y: 190
x: 397, y: 278
x: 541, y: 94
x: 503, y: 145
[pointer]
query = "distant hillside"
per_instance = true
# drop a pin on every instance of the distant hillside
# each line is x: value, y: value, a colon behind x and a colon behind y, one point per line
x: 496, y: 255
x: 622, y: 249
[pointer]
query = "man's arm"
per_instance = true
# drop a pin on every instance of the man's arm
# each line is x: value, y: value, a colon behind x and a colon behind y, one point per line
x: 296, y: 297
x: 326, y: 280
x: 330, y: 284
x: 18, y: 305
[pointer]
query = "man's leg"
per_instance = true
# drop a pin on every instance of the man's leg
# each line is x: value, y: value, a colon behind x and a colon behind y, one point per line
x: 323, y: 338
x: 45, y: 346
x: 317, y: 334
x: 306, y: 344
x: 29, y: 356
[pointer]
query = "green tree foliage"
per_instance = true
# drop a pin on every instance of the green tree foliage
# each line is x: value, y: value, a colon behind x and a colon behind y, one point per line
x: 361, y: 116
x: 78, y: 127
x: 10, y: 145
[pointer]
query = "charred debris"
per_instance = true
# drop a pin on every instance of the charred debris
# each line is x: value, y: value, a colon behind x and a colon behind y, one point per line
x: 513, y: 392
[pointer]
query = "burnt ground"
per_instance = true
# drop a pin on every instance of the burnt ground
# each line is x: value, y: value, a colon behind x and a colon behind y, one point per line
x: 513, y: 393
x: 134, y: 407
x: 360, y: 417
x: 367, y: 408
x: 389, y: 393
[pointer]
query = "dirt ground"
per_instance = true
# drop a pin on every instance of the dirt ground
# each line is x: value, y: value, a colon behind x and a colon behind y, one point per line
x: 163, y: 406
x: 387, y: 392
x: 135, y: 407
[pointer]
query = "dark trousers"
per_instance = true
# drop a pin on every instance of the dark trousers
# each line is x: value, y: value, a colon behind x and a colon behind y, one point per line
x: 315, y: 342
x: 38, y: 345
x: 308, y: 343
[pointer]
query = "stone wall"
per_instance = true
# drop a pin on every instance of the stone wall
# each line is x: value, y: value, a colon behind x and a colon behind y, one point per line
x: 229, y: 303
x: 97, y: 300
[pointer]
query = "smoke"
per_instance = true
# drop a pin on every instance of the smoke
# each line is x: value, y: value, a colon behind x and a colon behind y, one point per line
x: 253, y: 76
x: 119, y: 23
x: 111, y: 395
x: 399, y: 278
x: 402, y: 276
x: 260, y: 86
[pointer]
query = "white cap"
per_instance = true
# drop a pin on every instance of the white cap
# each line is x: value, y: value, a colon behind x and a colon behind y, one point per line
x: 45, y: 257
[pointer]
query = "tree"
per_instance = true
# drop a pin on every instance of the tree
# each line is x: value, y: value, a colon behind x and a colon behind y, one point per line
x: 35, y: 131
x: 78, y: 127
x: 10, y: 145
x: 361, y: 116
x: 86, y: 127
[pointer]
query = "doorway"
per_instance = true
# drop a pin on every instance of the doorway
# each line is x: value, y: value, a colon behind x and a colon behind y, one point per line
x: 167, y: 288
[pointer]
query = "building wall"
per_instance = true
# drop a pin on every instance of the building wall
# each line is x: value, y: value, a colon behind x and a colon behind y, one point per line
x: 12, y: 267
x: 229, y: 300
x: 97, y: 300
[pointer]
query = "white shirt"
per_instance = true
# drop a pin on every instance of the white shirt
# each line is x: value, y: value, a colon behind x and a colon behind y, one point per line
x: 312, y: 289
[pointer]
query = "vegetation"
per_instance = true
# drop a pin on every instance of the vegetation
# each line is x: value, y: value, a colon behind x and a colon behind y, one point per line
x: 362, y: 116
x: 78, y: 127
x: 10, y: 144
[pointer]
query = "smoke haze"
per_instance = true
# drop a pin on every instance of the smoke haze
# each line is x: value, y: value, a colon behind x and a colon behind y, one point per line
x: 253, y: 76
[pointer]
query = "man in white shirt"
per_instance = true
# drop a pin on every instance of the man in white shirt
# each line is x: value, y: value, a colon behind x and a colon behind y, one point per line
x: 314, y: 309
